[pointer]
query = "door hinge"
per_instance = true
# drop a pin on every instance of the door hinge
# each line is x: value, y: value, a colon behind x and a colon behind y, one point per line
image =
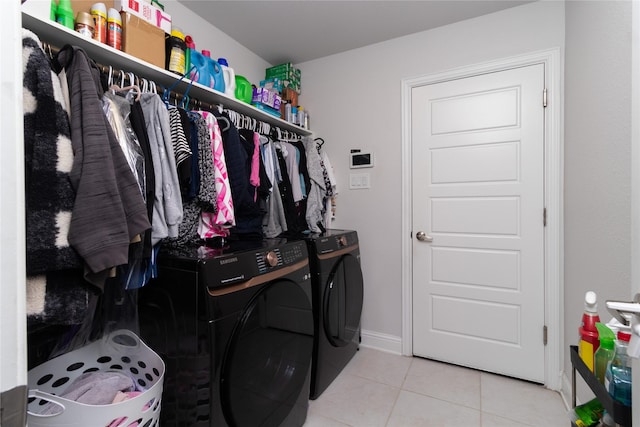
x: 544, y: 97
x: 544, y: 217
x: 544, y: 334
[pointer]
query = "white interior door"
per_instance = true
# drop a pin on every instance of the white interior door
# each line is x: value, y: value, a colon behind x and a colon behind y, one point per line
x: 477, y: 206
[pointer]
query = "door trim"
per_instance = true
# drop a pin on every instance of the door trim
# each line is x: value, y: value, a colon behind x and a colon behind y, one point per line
x: 553, y: 198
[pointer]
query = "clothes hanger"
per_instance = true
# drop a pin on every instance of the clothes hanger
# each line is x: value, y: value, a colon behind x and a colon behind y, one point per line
x: 115, y: 88
x: 320, y: 144
x: 166, y: 93
x: 225, y: 121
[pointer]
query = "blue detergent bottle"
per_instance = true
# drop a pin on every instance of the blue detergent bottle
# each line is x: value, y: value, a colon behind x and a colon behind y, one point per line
x: 215, y: 73
x: 201, y: 72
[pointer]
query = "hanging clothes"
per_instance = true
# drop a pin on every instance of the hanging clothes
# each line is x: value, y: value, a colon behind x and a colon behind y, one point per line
x: 138, y: 124
x: 305, y: 180
x: 248, y: 214
x: 56, y: 290
x: 292, y: 160
x: 182, y: 150
x: 194, y: 184
x: 141, y: 267
x: 100, y: 175
x: 295, y: 224
x: 216, y: 223
x: 317, y: 192
x: 205, y: 167
x: 167, y: 207
x: 117, y: 110
x: 274, y: 222
x: 332, y: 189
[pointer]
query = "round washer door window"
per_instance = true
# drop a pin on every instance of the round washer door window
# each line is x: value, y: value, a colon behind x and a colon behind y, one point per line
x: 267, y: 363
x: 342, y: 301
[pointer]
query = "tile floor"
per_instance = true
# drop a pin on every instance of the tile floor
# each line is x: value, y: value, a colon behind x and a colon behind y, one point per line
x: 383, y: 389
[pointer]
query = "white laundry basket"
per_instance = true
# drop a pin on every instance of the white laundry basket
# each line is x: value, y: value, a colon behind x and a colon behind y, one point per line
x: 119, y: 351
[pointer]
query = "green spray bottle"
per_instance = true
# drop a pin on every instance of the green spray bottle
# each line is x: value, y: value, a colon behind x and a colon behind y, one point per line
x: 605, y: 352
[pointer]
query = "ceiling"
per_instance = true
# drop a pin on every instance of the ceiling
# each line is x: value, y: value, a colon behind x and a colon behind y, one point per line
x: 302, y: 30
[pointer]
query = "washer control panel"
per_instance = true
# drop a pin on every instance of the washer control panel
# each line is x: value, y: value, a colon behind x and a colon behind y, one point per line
x: 282, y: 256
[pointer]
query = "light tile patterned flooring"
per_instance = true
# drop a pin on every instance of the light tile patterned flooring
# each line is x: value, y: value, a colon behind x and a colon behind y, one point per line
x: 383, y: 389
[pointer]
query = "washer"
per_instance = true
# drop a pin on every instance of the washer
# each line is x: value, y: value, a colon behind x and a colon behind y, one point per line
x: 235, y: 329
x: 334, y: 258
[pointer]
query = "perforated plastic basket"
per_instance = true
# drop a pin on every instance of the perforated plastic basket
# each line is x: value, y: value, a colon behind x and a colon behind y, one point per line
x: 119, y: 351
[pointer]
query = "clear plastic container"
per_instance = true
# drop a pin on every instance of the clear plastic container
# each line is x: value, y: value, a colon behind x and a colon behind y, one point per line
x: 618, y: 376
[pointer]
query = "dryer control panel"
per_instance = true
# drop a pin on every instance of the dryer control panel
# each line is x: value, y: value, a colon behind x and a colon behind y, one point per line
x: 335, y: 240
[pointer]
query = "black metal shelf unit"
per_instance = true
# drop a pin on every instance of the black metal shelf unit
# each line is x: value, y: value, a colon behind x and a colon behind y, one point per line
x: 621, y: 413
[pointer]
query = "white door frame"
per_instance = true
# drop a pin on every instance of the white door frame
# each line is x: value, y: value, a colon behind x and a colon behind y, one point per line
x: 553, y: 199
x: 13, y: 316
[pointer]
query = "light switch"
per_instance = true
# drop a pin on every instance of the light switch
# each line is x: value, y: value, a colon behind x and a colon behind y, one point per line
x: 359, y: 181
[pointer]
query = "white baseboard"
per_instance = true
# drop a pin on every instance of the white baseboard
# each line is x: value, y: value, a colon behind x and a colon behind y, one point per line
x: 382, y: 342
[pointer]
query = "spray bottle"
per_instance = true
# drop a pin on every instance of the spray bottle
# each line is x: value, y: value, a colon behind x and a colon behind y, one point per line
x: 605, y: 352
x: 617, y: 379
x: 588, y: 332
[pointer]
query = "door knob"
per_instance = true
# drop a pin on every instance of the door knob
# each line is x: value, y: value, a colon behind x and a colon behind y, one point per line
x: 423, y: 237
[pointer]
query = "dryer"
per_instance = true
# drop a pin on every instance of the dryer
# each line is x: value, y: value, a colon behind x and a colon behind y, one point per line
x: 235, y: 329
x: 334, y: 258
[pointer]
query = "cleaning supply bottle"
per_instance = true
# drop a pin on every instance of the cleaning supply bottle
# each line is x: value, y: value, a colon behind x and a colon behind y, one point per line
x: 229, y: 78
x: 605, y: 352
x: 191, y: 46
x: 588, y: 333
x: 64, y: 14
x: 618, y: 376
x: 215, y: 73
x: 53, y: 10
x: 201, y: 72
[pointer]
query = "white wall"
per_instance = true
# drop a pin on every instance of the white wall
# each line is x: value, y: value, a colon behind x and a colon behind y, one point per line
x: 597, y: 157
x: 354, y: 100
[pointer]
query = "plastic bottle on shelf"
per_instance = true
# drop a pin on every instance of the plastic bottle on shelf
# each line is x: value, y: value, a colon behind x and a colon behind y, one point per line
x: 200, y: 71
x: 287, y: 112
x: 605, y: 352
x: 191, y: 46
x: 588, y: 332
x: 64, y: 14
x: 301, y: 114
x: 53, y: 10
x: 229, y: 77
x: 175, y: 51
x: 618, y: 376
x: 216, y: 75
